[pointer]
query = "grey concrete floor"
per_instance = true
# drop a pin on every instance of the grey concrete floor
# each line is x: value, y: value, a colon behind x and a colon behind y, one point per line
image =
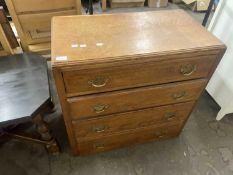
x: 205, y: 147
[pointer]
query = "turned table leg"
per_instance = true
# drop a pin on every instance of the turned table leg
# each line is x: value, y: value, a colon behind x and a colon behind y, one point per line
x: 51, y: 107
x: 43, y: 129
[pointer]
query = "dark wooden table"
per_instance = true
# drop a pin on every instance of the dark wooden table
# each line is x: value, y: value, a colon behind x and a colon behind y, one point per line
x: 25, y: 97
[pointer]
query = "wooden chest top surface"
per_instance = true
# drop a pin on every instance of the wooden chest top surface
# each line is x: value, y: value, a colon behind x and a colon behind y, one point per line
x: 125, y: 79
x: 106, y: 37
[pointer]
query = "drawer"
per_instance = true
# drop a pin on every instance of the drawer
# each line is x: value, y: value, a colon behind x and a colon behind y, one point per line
x: 138, y: 98
x: 37, y: 27
x: 80, y: 82
x: 131, y: 120
x: 29, y: 6
x: 128, y: 138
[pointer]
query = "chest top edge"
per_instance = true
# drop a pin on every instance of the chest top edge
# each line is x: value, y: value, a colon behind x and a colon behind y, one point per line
x: 141, y: 57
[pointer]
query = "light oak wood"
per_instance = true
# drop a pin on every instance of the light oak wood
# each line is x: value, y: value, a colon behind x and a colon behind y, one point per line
x: 68, y: 121
x: 32, y: 6
x: 40, y: 48
x: 104, y: 125
x: 118, y: 79
x: 159, y: 132
x: 131, y: 36
x: 8, y: 30
x: 32, y: 20
x: 38, y: 26
x: 127, y: 100
x: 8, y: 42
x: 104, y: 5
x: 80, y: 82
x: 126, y: 4
x: 157, y: 3
x: 5, y: 48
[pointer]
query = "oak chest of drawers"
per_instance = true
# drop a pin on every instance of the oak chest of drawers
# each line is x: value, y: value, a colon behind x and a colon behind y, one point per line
x: 130, y: 78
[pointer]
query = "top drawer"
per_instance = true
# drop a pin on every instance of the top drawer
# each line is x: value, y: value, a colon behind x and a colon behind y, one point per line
x: 87, y: 81
x: 28, y: 6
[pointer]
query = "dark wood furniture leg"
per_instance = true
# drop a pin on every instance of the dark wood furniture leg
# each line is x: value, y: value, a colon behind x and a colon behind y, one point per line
x: 19, y: 115
x: 90, y: 8
x: 43, y: 129
x: 51, y: 107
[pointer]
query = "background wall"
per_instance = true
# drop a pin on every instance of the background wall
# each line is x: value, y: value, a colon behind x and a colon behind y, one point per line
x: 220, y: 86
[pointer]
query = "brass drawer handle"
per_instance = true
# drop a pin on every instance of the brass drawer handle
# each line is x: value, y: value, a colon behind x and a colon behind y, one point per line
x: 161, y: 134
x: 100, y: 108
x: 169, y: 115
x: 188, y: 69
x: 98, y: 82
x: 179, y: 95
x: 99, y: 146
x: 100, y: 129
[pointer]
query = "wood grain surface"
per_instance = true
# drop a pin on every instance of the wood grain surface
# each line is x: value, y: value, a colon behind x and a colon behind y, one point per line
x: 127, y: 100
x: 112, y: 36
x: 130, y: 78
x: 32, y: 20
x: 159, y: 132
x: 77, y: 82
x: 105, y: 125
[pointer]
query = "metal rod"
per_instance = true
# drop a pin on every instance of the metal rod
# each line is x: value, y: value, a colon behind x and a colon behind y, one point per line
x: 210, y: 7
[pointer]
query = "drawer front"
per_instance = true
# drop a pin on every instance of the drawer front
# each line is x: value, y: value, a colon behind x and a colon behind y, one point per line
x: 37, y: 27
x: 131, y: 120
x: 29, y: 6
x: 79, y: 82
x: 129, y: 100
x: 128, y: 138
